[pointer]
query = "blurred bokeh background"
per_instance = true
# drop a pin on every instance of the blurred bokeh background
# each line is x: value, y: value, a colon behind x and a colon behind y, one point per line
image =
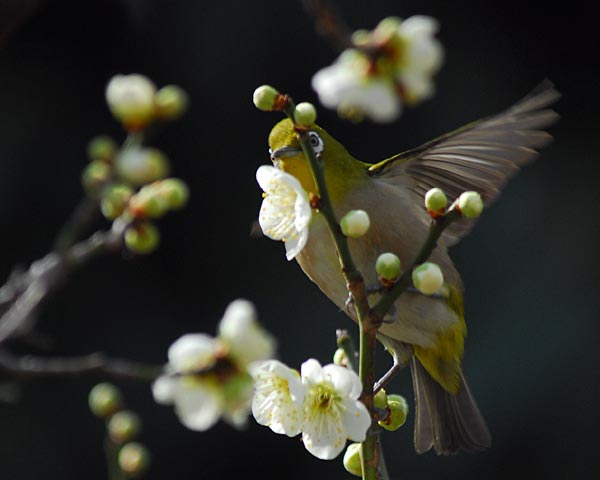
x: 530, y: 266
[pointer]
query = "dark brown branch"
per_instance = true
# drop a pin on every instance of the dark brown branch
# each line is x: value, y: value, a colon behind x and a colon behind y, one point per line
x: 329, y: 23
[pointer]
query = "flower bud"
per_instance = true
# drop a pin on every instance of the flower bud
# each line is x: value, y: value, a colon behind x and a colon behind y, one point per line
x: 428, y: 278
x: 380, y: 400
x: 305, y: 114
x: 104, y: 400
x: 352, y: 461
x: 388, y: 267
x: 102, y: 148
x: 175, y: 192
x: 114, y: 200
x: 470, y: 204
x: 398, y: 411
x: 131, y: 99
x: 264, y: 98
x: 340, y: 358
x: 435, y: 202
x: 124, y: 426
x: 355, y: 223
x: 148, y: 203
x: 142, y: 238
x: 95, y: 175
x: 170, y: 102
x: 142, y: 165
x: 134, y: 459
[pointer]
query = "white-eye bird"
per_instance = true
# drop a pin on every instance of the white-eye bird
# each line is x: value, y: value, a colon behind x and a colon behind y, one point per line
x: 427, y: 331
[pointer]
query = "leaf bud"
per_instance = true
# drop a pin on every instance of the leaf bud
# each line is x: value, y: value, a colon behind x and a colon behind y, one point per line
x: 355, y: 223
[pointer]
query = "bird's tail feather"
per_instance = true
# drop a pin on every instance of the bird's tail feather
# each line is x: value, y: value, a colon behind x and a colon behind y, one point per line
x: 444, y: 421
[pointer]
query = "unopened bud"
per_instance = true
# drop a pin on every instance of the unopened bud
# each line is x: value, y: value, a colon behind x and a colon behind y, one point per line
x: 114, y: 200
x: 105, y: 400
x: 124, y: 426
x: 388, y: 267
x: 142, y: 165
x: 131, y: 99
x: 175, y: 192
x: 102, y: 148
x: 340, y: 358
x: 355, y: 223
x: 436, y: 202
x: 134, y: 459
x: 398, y: 411
x: 380, y: 400
x: 352, y: 461
x: 95, y: 175
x: 142, y: 238
x: 265, y: 98
x: 170, y: 102
x: 148, y: 203
x: 470, y: 204
x: 305, y: 114
x: 428, y: 278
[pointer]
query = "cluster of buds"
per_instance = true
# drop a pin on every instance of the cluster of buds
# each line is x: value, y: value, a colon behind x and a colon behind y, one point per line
x: 207, y: 378
x: 135, y: 101
x: 268, y: 99
x: 130, y: 182
x: 123, y: 427
x: 468, y: 204
x: 387, y: 67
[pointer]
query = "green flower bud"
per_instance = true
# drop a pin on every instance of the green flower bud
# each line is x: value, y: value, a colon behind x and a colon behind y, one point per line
x: 131, y: 99
x: 428, y: 278
x: 387, y: 28
x: 355, y: 223
x: 264, y: 98
x: 380, y: 400
x: 142, y: 238
x: 352, y: 461
x: 105, y: 400
x: 170, y: 102
x: 134, y: 459
x: 114, y: 200
x: 95, y: 175
x: 361, y: 37
x: 340, y: 358
x: 139, y: 166
x: 148, y: 203
x: 398, y: 411
x: 388, y: 267
x: 175, y: 192
x: 124, y: 426
x: 436, y: 201
x: 305, y: 114
x: 470, y: 204
x: 102, y: 148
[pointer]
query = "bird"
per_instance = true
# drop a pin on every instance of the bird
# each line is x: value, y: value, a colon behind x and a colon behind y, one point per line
x: 427, y: 332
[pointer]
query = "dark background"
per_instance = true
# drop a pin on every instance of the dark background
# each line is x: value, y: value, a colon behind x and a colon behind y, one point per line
x: 530, y: 267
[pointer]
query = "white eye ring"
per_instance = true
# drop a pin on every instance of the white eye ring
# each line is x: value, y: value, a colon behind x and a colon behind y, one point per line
x: 316, y: 141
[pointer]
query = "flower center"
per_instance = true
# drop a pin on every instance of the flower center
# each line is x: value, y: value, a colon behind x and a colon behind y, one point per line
x: 323, y: 398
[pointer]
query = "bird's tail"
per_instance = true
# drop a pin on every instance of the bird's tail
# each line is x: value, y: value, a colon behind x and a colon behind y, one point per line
x: 444, y: 421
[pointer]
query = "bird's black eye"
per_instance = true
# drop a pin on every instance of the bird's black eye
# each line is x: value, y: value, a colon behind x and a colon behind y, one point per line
x: 316, y: 141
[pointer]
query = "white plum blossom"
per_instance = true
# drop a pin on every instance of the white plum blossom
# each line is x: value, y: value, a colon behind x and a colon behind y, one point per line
x: 389, y: 66
x: 285, y: 212
x: 278, y: 397
x: 323, y: 405
x: 131, y: 98
x: 207, y: 378
x: 245, y: 338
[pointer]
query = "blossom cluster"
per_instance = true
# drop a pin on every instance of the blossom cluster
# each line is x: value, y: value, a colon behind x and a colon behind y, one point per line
x: 207, y: 377
x: 389, y: 66
x: 319, y: 402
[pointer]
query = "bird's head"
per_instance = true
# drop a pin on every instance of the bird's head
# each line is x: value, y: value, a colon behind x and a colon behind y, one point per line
x: 341, y: 169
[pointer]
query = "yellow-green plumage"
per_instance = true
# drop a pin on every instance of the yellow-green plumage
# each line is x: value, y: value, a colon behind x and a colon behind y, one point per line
x: 481, y: 157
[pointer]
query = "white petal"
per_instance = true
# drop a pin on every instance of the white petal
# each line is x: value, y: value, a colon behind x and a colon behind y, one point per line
x: 324, y: 436
x: 345, y: 381
x: 163, y: 389
x: 418, y: 25
x: 192, y: 351
x: 198, y: 408
x: 295, y: 245
x: 311, y: 371
x: 356, y: 420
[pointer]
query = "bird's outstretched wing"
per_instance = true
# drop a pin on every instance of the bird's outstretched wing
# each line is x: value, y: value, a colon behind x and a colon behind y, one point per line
x: 480, y: 156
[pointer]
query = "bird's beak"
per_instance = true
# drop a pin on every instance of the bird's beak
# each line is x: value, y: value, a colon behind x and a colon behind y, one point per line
x: 284, y: 152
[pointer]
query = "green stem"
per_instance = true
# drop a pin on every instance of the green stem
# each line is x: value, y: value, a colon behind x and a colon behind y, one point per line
x: 356, y: 288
